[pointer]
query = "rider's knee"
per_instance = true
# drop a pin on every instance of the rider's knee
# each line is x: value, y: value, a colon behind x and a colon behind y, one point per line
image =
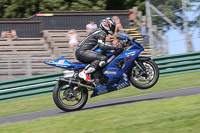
x: 103, y: 58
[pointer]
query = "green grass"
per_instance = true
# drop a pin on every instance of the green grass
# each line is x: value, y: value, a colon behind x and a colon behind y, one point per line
x: 45, y: 102
x: 176, y: 115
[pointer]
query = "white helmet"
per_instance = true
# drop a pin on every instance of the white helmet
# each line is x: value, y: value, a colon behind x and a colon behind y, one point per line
x: 108, y: 25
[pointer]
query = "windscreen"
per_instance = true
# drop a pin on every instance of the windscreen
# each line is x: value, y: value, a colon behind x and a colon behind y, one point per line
x: 122, y: 33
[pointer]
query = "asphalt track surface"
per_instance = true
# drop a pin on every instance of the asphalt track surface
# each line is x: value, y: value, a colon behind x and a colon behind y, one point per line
x: 108, y: 103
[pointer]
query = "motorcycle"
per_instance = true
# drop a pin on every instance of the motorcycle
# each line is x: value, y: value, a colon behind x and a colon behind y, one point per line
x: 123, y: 67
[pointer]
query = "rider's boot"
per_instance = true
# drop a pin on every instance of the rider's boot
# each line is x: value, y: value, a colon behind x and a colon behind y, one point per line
x: 84, y: 74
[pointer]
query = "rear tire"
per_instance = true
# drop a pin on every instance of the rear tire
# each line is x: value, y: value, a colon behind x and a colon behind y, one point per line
x: 144, y: 81
x: 65, y: 99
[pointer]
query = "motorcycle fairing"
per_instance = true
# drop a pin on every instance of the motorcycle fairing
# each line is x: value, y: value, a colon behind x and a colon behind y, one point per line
x: 114, y: 71
x: 63, y: 63
x: 101, y: 89
x: 118, y: 76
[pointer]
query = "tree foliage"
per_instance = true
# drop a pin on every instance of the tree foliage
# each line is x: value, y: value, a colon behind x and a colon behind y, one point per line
x: 196, y: 21
x: 169, y: 8
x: 173, y: 10
x: 27, y: 8
x: 125, y: 4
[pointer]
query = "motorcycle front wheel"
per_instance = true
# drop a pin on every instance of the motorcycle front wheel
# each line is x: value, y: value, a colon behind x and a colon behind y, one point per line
x: 145, y: 80
x: 69, y: 98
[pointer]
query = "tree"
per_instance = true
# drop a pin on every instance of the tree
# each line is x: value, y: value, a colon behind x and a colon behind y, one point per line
x: 172, y: 9
x: 87, y: 5
x: 196, y: 21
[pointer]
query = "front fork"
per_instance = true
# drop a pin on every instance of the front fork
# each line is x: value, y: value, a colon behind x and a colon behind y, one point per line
x: 139, y: 63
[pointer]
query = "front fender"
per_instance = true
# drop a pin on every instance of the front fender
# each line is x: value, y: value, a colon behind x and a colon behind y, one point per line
x: 143, y: 58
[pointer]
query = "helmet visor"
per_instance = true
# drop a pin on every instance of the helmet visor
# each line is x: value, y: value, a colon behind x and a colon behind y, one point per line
x: 112, y: 28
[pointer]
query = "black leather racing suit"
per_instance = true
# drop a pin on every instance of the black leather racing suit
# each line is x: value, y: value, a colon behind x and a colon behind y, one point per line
x: 85, y: 50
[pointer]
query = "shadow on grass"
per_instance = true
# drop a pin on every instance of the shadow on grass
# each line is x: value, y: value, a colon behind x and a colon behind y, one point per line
x: 104, y: 104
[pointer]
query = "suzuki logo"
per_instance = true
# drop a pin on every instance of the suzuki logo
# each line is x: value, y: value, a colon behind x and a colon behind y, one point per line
x: 130, y: 53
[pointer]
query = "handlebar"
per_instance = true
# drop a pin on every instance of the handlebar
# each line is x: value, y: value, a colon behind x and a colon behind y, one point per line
x: 125, y: 42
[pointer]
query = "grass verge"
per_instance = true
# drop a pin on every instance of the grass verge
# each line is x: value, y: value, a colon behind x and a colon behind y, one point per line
x: 180, y: 114
x: 45, y: 102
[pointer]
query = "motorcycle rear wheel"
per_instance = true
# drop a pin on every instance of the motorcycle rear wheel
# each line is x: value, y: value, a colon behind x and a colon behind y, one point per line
x: 69, y: 98
x: 147, y: 80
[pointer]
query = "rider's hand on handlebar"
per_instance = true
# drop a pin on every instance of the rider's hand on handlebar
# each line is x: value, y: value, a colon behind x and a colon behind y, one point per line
x: 118, y: 45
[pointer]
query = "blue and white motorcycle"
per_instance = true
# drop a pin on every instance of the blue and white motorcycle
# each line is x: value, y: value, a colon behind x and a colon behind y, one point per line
x: 123, y: 67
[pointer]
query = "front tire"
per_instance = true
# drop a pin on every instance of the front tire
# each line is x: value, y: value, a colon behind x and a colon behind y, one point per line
x: 69, y: 98
x: 146, y: 80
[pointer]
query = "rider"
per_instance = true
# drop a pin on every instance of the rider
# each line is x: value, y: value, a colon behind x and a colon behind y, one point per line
x: 95, y: 39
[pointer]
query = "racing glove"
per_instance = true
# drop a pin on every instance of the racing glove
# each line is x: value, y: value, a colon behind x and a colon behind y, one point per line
x: 118, y: 46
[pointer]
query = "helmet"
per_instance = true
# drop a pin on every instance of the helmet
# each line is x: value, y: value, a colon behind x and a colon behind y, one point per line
x: 108, y: 25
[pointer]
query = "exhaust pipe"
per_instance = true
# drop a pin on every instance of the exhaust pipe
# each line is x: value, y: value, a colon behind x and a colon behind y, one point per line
x: 74, y: 82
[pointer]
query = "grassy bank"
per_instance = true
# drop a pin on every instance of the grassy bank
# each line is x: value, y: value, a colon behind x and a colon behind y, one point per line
x: 46, y: 102
x: 180, y: 114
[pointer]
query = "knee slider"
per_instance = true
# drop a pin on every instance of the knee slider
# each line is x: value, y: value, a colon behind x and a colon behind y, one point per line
x: 103, y: 58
